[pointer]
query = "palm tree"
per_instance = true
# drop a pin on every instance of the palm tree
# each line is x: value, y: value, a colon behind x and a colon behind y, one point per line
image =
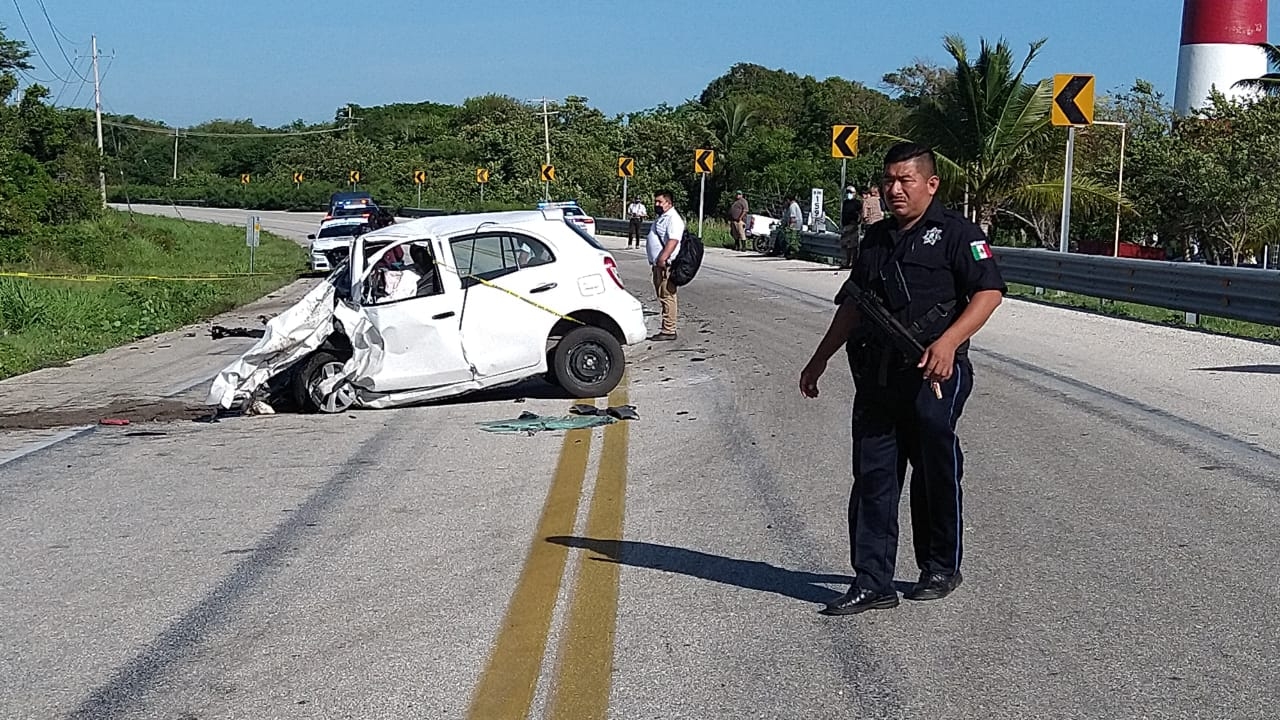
x: 1269, y: 83
x: 990, y: 129
x: 730, y: 122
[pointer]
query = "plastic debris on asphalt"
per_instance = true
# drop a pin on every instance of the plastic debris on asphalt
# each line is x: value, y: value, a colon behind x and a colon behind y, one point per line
x: 583, y: 416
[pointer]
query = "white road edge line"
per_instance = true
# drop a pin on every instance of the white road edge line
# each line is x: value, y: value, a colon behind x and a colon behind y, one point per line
x: 47, y: 442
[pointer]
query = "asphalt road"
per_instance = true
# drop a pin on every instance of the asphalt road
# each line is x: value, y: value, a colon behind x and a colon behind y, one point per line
x: 1122, y: 519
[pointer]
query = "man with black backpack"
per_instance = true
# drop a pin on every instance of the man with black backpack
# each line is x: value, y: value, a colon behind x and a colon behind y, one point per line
x: 662, y: 247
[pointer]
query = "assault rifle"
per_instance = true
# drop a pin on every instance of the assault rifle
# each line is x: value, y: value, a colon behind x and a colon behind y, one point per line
x: 871, y: 310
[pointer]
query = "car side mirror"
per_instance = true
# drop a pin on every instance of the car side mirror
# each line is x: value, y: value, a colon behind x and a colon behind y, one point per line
x: 311, y: 236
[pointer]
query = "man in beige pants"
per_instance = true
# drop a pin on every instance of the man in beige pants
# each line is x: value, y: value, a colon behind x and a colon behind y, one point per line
x: 662, y: 245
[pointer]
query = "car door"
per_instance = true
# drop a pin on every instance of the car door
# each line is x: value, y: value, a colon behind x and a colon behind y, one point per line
x: 512, y: 296
x: 411, y: 301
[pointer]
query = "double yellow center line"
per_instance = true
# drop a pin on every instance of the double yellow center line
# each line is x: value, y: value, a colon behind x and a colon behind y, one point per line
x: 581, y: 682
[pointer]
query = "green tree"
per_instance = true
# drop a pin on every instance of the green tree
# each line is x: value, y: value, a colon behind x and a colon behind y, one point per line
x: 1209, y: 182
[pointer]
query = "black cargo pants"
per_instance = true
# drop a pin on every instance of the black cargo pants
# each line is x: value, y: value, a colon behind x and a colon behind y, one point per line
x: 900, y: 421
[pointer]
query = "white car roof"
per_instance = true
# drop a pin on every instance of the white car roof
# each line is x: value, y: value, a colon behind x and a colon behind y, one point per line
x: 443, y: 225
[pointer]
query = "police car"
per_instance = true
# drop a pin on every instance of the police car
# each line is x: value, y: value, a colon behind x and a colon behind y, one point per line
x: 331, y: 244
x: 573, y: 213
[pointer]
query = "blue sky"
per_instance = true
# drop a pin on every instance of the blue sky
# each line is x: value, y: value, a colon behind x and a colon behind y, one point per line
x: 184, y: 62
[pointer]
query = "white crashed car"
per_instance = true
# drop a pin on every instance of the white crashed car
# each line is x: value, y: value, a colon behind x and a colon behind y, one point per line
x: 331, y: 243
x: 443, y: 306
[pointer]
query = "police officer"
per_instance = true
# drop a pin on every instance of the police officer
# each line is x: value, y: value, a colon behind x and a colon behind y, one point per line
x: 934, y: 271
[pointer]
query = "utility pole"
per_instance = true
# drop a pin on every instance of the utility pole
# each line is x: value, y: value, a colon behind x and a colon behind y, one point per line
x: 175, y: 153
x: 546, y: 136
x: 97, y: 109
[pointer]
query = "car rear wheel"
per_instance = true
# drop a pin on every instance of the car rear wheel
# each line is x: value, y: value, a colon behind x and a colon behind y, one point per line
x: 320, y: 366
x: 588, y: 362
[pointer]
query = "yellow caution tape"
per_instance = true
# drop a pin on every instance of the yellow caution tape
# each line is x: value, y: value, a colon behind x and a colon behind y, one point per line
x: 95, y: 277
x: 521, y: 297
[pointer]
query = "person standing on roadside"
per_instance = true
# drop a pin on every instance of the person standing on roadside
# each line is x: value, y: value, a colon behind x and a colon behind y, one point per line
x: 738, y: 221
x: 934, y: 271
x: 850, y: 217
x: 872, y: 209
x: 636, y: 214
x: 662, y: 246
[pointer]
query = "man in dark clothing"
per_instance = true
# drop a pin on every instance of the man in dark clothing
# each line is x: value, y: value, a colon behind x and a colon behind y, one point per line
x: 850, y: 219
x: 935, y: 272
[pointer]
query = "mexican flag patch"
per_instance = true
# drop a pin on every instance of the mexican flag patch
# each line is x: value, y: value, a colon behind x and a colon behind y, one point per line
x: 980, y: 249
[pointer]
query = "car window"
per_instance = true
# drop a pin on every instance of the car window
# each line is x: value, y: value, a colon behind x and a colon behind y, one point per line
x: 347, y: 230
x: 493, y: 255
x: 403, y: 273
x: 582, y: 233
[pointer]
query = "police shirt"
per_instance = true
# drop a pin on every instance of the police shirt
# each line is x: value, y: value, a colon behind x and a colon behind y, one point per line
x: 944, y: 258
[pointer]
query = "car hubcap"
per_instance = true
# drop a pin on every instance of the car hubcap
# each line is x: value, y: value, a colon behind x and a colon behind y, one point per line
x: 589, y: 363
x: 342, y: 396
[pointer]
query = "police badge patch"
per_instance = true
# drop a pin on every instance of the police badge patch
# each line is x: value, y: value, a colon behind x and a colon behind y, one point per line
x: 932, y: 235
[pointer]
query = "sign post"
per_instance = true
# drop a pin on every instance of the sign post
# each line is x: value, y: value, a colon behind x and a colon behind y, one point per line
x: 252, y: 228
x: 1072, y: 107
x: 817, y: 221
x: 419, y: 177
x: 482, y: 177
x: 844, y: 145
x: 704, y: 161
x: 354, y: 177
x: 626, y: 168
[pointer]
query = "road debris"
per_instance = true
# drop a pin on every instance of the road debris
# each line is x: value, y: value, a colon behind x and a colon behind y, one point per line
x: 531, y: 423
x: 217, y: 332
x: 622, y: 412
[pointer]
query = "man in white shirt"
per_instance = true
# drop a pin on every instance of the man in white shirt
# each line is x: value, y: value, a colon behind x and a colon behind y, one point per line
x: 636, y: 212
x: 662, y: 245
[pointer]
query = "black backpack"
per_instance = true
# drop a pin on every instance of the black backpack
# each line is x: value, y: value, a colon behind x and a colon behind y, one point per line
x: 688, y: 260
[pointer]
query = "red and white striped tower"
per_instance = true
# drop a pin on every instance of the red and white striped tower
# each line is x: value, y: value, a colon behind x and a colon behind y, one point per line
x: 1219, y: 48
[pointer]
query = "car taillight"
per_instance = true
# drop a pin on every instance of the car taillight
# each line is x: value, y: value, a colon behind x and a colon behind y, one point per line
x: 611, y: 267
x: 589, y: 221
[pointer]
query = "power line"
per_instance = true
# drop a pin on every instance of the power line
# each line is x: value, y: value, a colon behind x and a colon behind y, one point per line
x: 197, y: 133
x: 47, y: 65
x: 55, y: 32
x: 74, y: 43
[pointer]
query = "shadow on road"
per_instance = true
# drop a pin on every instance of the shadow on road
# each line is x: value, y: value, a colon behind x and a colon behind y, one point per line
x: 749, y: 574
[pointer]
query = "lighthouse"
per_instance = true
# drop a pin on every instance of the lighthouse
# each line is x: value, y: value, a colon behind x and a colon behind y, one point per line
x: 1219, y: 48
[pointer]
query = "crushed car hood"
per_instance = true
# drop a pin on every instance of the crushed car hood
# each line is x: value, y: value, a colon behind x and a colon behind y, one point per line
x: 289, y: 337
x: 296, y: 333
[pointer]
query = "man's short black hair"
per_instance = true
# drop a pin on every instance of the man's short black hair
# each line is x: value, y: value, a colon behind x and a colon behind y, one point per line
x: 905, y: 151
x: 666, y: 194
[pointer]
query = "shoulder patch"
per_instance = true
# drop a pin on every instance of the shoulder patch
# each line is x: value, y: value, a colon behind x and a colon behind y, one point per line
x: 980, y: 249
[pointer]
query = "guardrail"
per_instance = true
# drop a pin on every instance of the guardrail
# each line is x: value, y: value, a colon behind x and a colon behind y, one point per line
x: 1251, y: 295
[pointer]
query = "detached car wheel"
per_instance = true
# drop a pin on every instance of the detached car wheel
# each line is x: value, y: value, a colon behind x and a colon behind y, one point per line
x: 318, y: 367
x: 588, y: 362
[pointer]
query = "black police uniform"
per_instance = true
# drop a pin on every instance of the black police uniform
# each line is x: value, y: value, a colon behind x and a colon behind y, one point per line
x: 925, y: 277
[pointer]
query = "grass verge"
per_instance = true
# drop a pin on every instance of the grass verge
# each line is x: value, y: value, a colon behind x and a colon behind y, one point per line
x: 46, y: 322
x: 1146, y: 313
